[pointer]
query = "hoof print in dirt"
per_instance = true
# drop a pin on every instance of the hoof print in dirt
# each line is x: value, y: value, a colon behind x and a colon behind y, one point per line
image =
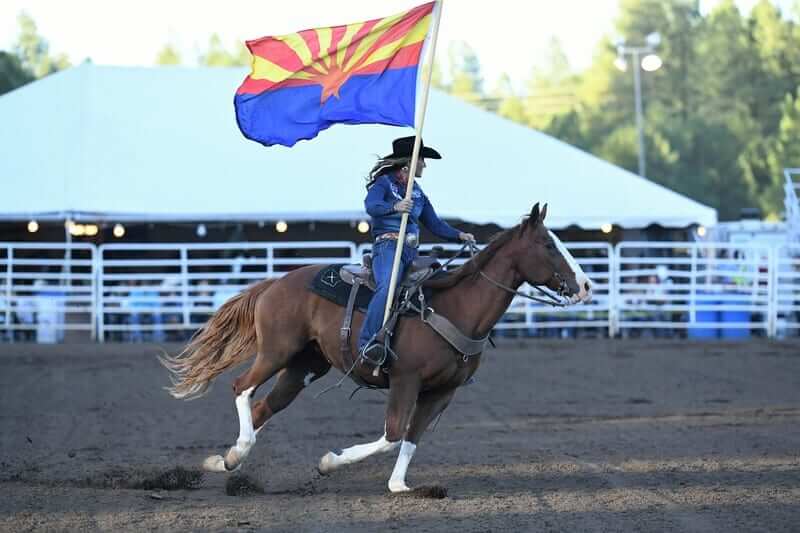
x: 174, y: 479
x: 241, y: 485
x: 436, y: 492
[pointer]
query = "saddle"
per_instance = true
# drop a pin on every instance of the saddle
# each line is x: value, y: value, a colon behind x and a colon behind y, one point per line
x: 420, y: 269
x: 408, y: 291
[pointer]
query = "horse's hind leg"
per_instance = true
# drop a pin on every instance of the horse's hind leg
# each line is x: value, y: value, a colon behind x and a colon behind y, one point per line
x: 268, y: 367
x: 303, y: 369
x: 278, y: 345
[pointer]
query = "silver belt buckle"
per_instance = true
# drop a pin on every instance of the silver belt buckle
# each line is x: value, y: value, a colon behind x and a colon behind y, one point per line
x: 412, y: 240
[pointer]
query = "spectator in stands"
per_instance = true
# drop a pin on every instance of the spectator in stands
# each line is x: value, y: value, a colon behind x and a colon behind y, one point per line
x: 25, y: 316
x: 202, y: 302
x: 5, y: 333
x: 658, y: 296
x: 143, y: 302
x: 636, y: 298
x: 170, y: 299
x: 48, y: 313
x: 223, y: 293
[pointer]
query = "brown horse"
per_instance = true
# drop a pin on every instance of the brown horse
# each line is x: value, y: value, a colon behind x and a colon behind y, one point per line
x: 295, y: 334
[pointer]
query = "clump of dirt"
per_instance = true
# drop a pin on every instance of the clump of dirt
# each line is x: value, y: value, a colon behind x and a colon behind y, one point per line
x: 436, y: 492
x: 174, y: 479
x: 241, y: 485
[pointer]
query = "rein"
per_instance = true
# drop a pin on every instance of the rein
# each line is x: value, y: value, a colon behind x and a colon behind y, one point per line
x: 548, y: 299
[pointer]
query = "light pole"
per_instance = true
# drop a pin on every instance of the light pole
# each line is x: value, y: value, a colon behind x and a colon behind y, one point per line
x: 650, y: 62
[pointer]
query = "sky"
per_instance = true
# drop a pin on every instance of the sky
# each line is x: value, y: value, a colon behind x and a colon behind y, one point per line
x: 509, y: 36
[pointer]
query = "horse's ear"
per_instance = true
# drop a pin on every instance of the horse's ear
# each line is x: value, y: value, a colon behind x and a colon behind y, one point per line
x: 534, y: 218
x: 543, y: 213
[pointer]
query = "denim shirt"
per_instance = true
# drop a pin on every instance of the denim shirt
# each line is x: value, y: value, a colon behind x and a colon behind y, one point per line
x: 387, y: 191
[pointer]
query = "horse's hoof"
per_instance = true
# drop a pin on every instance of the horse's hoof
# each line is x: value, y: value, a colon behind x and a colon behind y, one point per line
x: 214, y: 463
x: 327, y: 464
x: 397, y: 487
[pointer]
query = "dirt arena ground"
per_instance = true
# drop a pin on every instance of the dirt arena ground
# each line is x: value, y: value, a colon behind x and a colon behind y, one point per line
x: 554, y: 436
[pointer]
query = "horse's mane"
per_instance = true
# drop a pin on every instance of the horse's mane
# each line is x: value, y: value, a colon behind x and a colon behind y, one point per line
x: 475, y: 264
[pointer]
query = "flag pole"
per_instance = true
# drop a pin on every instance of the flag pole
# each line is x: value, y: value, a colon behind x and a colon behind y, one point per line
x: 412, y: 170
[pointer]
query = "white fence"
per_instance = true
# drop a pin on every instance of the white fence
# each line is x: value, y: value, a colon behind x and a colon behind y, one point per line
x: 786, y: 283
x: 46, y: 290
x: 714, y: 290
x: 149, y: 290
x: 163, y: 292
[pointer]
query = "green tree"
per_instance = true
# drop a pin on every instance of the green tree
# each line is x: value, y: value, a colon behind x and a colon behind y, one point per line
x: 764, y: 162
x: 721, y: 115
x: 505, y: 101
x: 12, y: 74
x: 711, y: 112
x: 34, y: 51
x: 552, y: 89
x: 436, y: 77
x: 216, y: 55
x: 466, y: 81
x: 168, y: 55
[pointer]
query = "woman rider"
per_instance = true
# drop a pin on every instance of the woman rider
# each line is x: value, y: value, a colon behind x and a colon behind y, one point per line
x: 385, y: 203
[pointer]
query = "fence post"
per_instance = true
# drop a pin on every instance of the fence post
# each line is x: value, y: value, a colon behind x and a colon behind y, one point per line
x: 772, y: 292
x: 693, y: 287
x: 101, y: 295
x: 93, y: 277
x: 185, y: 288
x: 9, y: 280
x: 612, y: 290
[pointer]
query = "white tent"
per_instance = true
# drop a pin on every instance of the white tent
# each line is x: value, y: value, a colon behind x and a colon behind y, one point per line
x: 114, y: 143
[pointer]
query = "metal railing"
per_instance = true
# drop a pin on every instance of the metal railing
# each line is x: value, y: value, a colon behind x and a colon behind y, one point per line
x: 160, y: 292
x: 46, y: 290
x: 786, y: 280
x: 155, y: 289
x: 700, y: 287
x: 792, y: 203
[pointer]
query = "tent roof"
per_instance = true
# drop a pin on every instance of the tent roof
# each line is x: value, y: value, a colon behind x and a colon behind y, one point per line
x: 162, y: 144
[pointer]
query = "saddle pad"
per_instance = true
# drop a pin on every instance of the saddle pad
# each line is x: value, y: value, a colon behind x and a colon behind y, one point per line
x: 328, y: 284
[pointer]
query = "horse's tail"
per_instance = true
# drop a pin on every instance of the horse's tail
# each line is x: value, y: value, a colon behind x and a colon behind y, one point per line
x: 227, y: 339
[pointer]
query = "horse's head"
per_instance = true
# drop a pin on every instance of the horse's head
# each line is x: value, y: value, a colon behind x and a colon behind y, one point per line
x: 543, y: 260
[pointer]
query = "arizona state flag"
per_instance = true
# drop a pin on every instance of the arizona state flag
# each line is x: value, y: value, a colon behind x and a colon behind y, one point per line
x: 303, y: 83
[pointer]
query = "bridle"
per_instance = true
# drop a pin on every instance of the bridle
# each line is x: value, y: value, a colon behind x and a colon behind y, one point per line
x: 548, y: 298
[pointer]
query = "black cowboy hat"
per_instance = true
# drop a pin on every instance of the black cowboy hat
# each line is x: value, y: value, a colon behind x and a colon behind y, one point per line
x: 403, y: 147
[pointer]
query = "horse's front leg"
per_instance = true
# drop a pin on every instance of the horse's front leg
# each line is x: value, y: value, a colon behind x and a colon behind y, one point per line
x: 429, y: 405
x: 403, y: 393
x: 338, y: 458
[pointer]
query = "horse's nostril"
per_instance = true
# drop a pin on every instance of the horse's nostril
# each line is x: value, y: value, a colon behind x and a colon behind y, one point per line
x: 587, y: 286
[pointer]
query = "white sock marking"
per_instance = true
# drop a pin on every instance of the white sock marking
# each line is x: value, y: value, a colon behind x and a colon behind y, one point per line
x: 331, y: 461
x: 397, y: 483
x: 247, y: 436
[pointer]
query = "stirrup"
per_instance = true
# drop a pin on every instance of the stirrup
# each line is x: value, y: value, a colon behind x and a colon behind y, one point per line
x: 373, y: 353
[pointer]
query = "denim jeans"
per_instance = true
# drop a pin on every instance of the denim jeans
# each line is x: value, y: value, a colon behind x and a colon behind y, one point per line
x: 382, y: 260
